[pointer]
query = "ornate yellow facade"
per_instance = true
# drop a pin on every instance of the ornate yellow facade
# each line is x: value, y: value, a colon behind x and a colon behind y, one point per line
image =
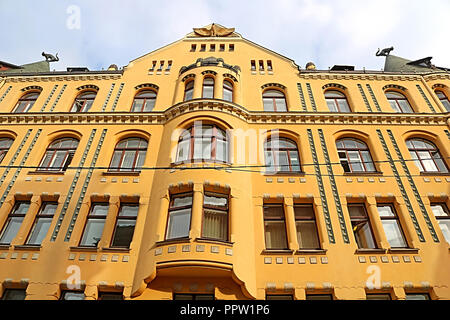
x: 224, y: 213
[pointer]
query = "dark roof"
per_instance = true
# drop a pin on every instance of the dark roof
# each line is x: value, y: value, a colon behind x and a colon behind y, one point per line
x: 398, y: 64
x: 40, y: 66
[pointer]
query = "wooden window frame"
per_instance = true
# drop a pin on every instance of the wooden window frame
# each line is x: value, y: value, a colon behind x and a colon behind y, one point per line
x: 173, y: 208
x: 83, y: 101
x: 359, y: 150
x: 119, y: 217
x: 123, y: 150
x: 274, y: 100
x: 13, y: 214
x: 214, y: 138
x: 335, y: 99
x: 354, y: 221
x: 90, y: 216
x: 4, y: 150
x: 429, y: 151
x: 144, y: 100
x: 217, y: 208
x: 70, y: 153
x: 31, y: 101
x: 208, y: 85
x: 39, y: 216
x: 282, y: 218
x: 396, y: 101
x: 268, y: 148
x: 396, y: 218
x: 312, y: 218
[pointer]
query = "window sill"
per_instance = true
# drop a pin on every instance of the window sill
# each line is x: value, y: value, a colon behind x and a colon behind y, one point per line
x: 201, y: 162
x: 277, y: 251
x: 375, y: 173
x: 87, y: 249
x: 300, y: 173
x: 28, y: 247
x: 403, y: 250
x: 5, y: 246
x: 124, y: 250
x: 121, y: 173
x: 208, y: 240
x: 311, y: 251
x: 369, y: 251
x: 435, y: 173
x: 172, y: 241
x: 48, y: 172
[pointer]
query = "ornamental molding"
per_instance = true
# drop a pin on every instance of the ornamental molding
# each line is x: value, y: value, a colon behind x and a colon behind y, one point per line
x: 394, y: 86
x: 211, y: 105
x: 227, y: 75
x: 147, y: 85
x: 273, y: 85
x: 189, y: 76
x: 438, y: 85
x: 334, y: 85
x: 439, y: 76
x: 57, y: 78
x: 359, y: 76
x: 88, y: 86
x: 31, y: 88
x: 209, y: 72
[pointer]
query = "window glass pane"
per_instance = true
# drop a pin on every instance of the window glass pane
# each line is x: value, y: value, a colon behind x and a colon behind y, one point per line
x: 416, y: 161
x: 215, y: 224
x: 123, y: 233
x: 58, y: 159
x: 182, y: 201
x: 275, y: 234
x: 188, y: 94
x: 439, y: 161
x: 304, y: 212
x: 116, y: 159
x: 343, y: 105
x: 281, y: 104
x: 355, y: 161
x: 221, y: 150
x: 129, y: 211
x: 270, y: 167
x: 295, y: 162
x: 367, y: 161
x: 394, y: 105
x: 5, y: 143
x: 319, y: 297
x: 128, y: 160
x: 334, y: 94
x: 427, y: 162
x: 215, y: 201
x: 110, y: 296
x: 10, y: 230
x: 446, y: 104
x: 208, y: 92
x: 394, y: 95
x: 349, y: 143
x: 99, y: 209
x: 87, y: 106
x: 394, y: 234
x: 418, y: 144
x: 282, y: 159
x: 268, y: 104
x: 332, y: 105
x: 439, y: 211
x: 385, y: 211
x: 279, y: 297
x: 417, y: 296
x: 274, y: 212
x: 363, y: 235
x: 378, y: 296
x: 140, y: 159
x: 92, y: 232
x: 444, y: 224
x: 67, y: 295
x: 137, y: 105
x: 14, y: 294
x: 357, y: 211
x: 179, y: 224
x: 149, y: 105
x: 307, y: 235
x: 183, y: 150
x: 39, y: 231
x: 404, y: 105
x: 273, y: 93
x: 22, y: 208
x: 49, y: 208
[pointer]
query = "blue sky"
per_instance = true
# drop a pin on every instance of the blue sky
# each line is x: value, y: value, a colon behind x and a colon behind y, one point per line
x: 327, y: 32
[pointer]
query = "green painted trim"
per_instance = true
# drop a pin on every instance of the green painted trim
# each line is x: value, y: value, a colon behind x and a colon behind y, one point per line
x: 108, y: 96
x: 302, y: 97
x: 374, y: 99
x: 323, y: 197
x: 364, y: 98
x: 6, y: 92
x: 58, y: 97
x: 49, y: 97
x: 401, y: 187
x: 117, y: 97
x: 311, y: 97
x: 425, y: 98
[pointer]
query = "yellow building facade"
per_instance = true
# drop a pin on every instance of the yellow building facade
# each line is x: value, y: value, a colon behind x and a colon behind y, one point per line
x: 216, y: 168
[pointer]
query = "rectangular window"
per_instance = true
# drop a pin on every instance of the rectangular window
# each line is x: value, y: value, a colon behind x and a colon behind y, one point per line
x: 441, y: 212
x: 179, y: 221
x: 212, y: 47
x: 261, y: 65
x: 215, y: 216
x: 190, y: 296
x: 391, y: 226
x: 417, y: 296
x: 42, y: 223
x: 14, y: 294
x: 253, y: 65
x: 125, y: 224
x: 72, y: 295
x: 153, y: 66
x: 169, y: 65
x: 269, y: 65
x: 279, y: 297
x: 361, y: 226
x: 222, y: 47
x: 110, y: 296
x: 203, y: 47
x: 14, y: 221
x: 193, y: 47
x: 161, y: 64
x: 305, y: 222
x: 94, y: 225
x: 378, y: 296
x: 319, y: 297
x: 231, y: 47
x: 275, y: 227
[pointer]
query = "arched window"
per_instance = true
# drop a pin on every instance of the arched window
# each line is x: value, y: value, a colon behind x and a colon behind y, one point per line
x: 5, y: 144
x: 274, y: 100
x: 203, y: 142
x: 208, y: 88
x: 281, y: 155
x: 83, y: 102
x: 26, y: 102
x: 144, y: 101
x: 129, y: 155
x: 398, y: 102
x: 189, y: 90
x: 426, y: 156
x: 228, y: 90
x: 59, y: 154
x: 354, y: 156
x: 444, y: 99
x: 336, y: 101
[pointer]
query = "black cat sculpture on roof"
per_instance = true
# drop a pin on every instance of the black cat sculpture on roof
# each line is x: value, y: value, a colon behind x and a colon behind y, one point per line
x: 49, y: 57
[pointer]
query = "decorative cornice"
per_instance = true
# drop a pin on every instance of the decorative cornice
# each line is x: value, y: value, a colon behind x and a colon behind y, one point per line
x: 438, y: 85
x: 271, y: 85
x: 394, y: 86
x: 438, y: 76
x: 61, y: 77
x: 191, y: 75
x: 147, y: 85
x: 359, y: 76
x: 209, y: 72
x: 227, y: 75
x: 334, y: 85
x: 88, y: 86
x: 31, y: 88
x: 221, y: 106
